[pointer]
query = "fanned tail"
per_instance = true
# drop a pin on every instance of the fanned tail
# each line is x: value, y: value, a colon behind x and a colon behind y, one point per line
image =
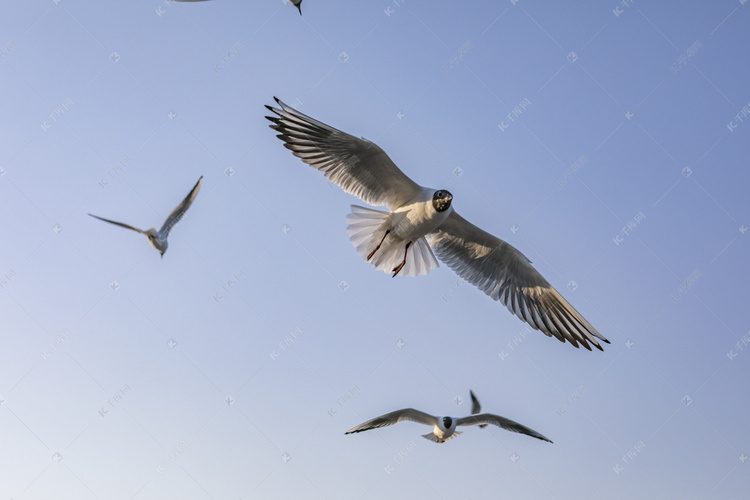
x: 367, y: 228
x: 432, y: 437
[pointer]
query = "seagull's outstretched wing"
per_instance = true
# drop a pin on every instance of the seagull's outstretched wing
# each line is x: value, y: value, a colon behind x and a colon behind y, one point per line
x: 395, y: 417
x: 126, y: 226
x: 508, y: 425
x: 180, y: 210
x: 505, y: 274
x: 359, y: 166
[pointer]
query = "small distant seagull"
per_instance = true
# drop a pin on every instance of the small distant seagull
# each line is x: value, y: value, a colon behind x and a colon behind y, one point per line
x: 397, y: 241
x: 298, y: 4
x: 444, y: 428
x: 158, y: 239
x: 475, y: 406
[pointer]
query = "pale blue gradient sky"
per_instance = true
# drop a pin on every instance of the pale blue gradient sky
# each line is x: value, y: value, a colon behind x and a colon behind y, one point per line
x: 233, y: 367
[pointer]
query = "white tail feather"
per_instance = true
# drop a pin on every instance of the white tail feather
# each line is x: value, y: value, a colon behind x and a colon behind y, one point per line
x: 366, y: 228
x: 432, y: 437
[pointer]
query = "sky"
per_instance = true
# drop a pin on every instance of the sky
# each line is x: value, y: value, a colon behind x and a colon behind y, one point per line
x: 607, y: 141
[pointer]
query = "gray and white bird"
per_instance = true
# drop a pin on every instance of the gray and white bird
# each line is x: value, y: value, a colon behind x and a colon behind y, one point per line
x: 158, y: 239
x: 444, y: 428
x: 475, y: 406
x: 421, y: 220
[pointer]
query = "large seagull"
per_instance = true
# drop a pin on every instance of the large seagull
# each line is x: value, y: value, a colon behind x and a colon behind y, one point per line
x: 158, y: 239
x: 421, y: 221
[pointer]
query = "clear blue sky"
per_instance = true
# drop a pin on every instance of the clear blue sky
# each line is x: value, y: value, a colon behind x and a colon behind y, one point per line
x: 608, y: 142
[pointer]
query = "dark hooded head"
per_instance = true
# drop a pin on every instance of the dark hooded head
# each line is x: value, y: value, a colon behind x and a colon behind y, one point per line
x: 441, y: 200
x: 447, y: 422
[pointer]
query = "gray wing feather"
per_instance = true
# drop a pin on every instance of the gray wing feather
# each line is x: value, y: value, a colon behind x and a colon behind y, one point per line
x: 504, y: 423
x: 121, y: 224
x: 475, y: 406
x: 506, y: 275
x: 359, y: 166
x: 180, y: 210
x: 395, y: 417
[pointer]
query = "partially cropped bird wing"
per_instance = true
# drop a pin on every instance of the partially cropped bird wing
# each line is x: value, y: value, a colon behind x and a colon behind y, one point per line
x: 180, y: 210
x: 393, y: 418
x: 508, y: 425
x: 505, y: 274
x: 359, y: 166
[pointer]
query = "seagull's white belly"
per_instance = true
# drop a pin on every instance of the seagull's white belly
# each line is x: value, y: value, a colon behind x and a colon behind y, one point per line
x: 442, y: 433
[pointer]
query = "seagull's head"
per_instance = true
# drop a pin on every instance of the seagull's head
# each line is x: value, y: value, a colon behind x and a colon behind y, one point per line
x: 447, y: 422
x: 441, y: 200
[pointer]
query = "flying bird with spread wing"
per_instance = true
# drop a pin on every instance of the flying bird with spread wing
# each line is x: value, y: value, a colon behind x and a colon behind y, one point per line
x: 158, y: 239
x: 421, y: 221
x: 444, y: 428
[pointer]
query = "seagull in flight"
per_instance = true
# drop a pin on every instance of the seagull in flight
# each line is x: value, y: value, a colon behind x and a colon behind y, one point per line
x: 421, y: 223
x: 158, y: 239
x: 444, y: 428
x: 475, y: 406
